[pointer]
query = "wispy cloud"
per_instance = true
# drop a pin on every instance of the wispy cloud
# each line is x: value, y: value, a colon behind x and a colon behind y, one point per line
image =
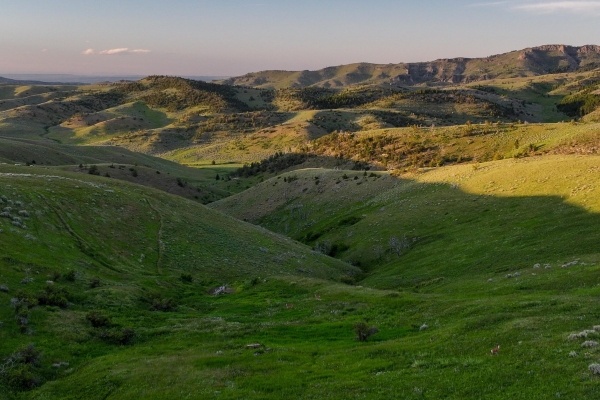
x: 122, y: 50
x: 585, y: 7
x: 548, y: 7
x: 115, y: 51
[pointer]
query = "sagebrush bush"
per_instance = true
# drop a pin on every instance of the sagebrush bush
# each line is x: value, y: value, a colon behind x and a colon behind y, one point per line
x: 22, y: 377
x: 363, y: 331
x: 71, y: 276
x: 120, y: 336
x: 19, y: 370
x: 53, y: 296
x: 98, y: 319
x: 160, y: 303
x: 94, y: 283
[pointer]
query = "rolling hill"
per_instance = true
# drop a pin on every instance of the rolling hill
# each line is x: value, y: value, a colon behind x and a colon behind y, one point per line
x: 529, y: 62
x: 435, y: 223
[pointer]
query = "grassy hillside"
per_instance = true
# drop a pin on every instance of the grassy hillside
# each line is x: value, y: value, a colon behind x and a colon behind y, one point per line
x: 490, y: 217
x: 197, y: 184
x: 195, y: 123
x: 470, y: 230
x: 122, y: 251
x: 452, y: 295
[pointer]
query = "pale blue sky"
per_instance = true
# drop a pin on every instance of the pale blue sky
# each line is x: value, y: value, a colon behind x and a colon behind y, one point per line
x: 232, y: 37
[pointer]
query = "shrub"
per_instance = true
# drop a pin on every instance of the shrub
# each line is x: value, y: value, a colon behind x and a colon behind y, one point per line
x: 53, y: 296
x: 126, y: 336
x: 29, y: 355
x: 162, y: 304
x: 97, y: 319
x: 22, y: 378
x: 94, y: 170
x: 55, y: 276
x: 94, y: 283
x: 18, y: 370
x: 186, y: 278
x: 71, y: 275
x: 363, y: 331
x: 348, y: 280
x: 23, y: 300
x: 120, y: 336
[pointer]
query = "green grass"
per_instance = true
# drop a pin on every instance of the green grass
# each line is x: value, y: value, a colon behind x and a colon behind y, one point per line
x: 452, y: 247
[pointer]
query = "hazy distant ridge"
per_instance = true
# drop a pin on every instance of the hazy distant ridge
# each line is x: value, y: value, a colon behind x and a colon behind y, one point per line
x: 532, y: 61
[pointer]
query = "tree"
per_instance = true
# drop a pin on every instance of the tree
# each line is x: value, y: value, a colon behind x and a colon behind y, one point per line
x: 398, y: 246
x: 364, y: 331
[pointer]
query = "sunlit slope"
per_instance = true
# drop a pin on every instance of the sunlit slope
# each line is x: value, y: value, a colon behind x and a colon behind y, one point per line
x: 445, y: 222
x: 528, y: 62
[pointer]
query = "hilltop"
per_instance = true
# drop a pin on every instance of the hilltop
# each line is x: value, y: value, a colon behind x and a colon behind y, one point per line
x: 529, y: 62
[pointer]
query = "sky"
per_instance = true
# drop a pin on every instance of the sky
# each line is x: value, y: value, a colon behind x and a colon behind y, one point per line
x: 233, y: 37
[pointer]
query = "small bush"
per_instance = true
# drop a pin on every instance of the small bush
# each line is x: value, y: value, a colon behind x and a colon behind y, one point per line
x: 363, y: 331
x: 159, y: 303
x: 29, y: 355
x: 53, y: 296
x: 55, y: 276
x: 120, y: 336
x: 71, y: 276
x: 23, y: 300
x: 19, y: 369
x: 348, y: 280
x: 94, y: 170
x: 22, y: 377
x: 97, y: 319
x: 186, y: 278
x: 94, y: 283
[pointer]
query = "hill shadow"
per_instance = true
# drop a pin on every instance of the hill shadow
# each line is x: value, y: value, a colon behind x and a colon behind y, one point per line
x: 403, y: 231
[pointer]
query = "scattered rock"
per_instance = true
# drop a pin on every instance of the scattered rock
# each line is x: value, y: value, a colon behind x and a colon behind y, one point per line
x: 254, y: 346
x: 221, y: 290
x: 595, y: 369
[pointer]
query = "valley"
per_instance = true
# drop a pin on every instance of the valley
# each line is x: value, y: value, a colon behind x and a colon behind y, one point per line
x: 173, y: 238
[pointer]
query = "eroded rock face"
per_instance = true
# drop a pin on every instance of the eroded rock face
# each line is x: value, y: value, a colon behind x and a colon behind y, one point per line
x: 528, y: 62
